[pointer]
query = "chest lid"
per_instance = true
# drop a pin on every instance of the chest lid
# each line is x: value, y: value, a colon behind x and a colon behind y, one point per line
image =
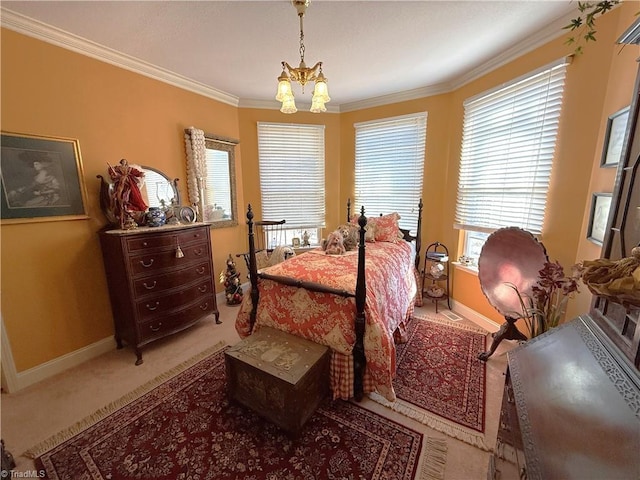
x: 278, y: 353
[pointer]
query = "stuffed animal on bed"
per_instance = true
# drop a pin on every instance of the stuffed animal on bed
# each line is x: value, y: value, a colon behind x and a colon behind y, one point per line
x: 334, y: 244
x: 349, y: 233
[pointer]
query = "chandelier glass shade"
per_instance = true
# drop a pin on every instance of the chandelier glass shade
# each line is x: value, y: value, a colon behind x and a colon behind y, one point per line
x: 303, y: 75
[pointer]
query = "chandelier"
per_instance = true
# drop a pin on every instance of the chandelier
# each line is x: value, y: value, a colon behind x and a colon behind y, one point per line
x: 302, y: 74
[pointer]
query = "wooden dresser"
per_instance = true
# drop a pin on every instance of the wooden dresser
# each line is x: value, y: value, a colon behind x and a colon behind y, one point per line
x: 571, y: 409
x: 161, y: 281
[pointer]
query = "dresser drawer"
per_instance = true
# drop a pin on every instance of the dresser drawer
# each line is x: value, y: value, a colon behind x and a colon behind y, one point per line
x: 152, y: 329
x: 160, y: 260
x: 167, y: 239
x: 163, y: 303
x: 160, y: 282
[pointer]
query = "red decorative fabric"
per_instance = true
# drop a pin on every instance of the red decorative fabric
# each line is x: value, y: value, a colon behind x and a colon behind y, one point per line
x: 186, y: 428
x: 439, y: 371
x: 328, y: 319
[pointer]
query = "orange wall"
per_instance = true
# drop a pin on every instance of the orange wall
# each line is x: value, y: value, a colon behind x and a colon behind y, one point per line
x: 622, y: 72
x: 54, y: 294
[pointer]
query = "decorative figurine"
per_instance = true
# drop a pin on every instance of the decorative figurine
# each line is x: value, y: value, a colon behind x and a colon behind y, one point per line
x: 305, y: 239
x: 231, y: 281
x: 126, y: 191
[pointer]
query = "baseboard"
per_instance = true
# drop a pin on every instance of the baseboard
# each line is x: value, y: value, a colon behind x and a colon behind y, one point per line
x: 60, y: 364
x: 475, y: 317
x: 14, y: 381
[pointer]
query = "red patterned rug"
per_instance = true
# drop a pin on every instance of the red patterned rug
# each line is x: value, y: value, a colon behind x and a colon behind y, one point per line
x: 439, y: 379
x: 184, y: 427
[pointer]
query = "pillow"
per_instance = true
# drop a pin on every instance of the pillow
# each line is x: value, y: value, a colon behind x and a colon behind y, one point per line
x: 369, y: 228
x: 387, y: 229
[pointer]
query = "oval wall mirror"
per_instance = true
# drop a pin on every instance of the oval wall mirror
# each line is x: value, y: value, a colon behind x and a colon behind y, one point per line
x: 158, y: 189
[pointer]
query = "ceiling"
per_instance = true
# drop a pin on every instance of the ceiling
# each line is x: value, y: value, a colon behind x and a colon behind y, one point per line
x: 373, y: 52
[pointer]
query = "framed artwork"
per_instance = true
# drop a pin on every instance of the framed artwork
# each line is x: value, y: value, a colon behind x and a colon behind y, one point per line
x: 295, y: 242
x: 187, y: 214
x: 40, y: 179
x: 600, y: 205
x: 614, y: 138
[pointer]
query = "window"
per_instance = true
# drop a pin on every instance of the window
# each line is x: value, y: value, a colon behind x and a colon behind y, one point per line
x: 473, y: 243
x: 508, y: 143
x: 219, y: 202
x: 218, y: 187
x: 390, y: 166
x: 291, y: 158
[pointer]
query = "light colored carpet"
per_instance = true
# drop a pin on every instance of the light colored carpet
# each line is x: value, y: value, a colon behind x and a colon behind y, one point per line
x: 38, y: 412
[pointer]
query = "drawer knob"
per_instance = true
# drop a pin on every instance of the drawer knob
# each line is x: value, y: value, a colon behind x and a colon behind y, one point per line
x: 153, y: 307
x: 200, y: 270
x: 198, y: 251
x: 146, y: 265
x: 155, y: 329
x: 202, y: 288
x: 150, y: 287
x: 204, y: 306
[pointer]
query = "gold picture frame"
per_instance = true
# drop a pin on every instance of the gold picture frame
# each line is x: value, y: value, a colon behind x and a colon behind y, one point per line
x: 41, y: 179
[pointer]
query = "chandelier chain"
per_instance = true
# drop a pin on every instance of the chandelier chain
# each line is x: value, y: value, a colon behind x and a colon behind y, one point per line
x: 301, y: 39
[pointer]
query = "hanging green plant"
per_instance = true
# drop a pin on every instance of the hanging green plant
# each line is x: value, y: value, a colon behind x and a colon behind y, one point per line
x: 584, y: 24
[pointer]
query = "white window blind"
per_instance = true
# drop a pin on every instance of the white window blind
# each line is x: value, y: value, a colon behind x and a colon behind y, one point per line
x: 390, y: 165
x: 508, y: 143
x: 217, y: 184
x: 291, y: 158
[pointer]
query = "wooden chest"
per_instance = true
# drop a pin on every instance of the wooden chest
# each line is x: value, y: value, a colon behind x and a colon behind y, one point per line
x: 154, y: 290
x: 278, y: 375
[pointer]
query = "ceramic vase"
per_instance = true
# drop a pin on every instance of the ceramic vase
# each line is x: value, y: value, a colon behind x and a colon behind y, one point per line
x: 156, y: 217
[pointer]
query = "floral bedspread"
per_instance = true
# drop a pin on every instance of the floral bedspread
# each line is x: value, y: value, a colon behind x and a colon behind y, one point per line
x: 329, y: 319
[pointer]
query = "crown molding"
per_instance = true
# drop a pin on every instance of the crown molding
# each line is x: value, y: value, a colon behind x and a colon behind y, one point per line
x: 547, y: 34
x: 398, y: 97
x: 55, y: 36
x: 36, y: 29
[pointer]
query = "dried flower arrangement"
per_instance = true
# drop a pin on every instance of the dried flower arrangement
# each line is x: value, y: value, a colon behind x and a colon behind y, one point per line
x: 544, y: 308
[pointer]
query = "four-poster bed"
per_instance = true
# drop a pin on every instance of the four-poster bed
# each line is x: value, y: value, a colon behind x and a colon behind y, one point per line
x: 334, y: 300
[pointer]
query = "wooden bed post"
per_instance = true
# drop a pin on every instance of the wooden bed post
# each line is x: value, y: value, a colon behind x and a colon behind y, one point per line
x: 348, y: 210
x: 359, y: 358
x: 253, y: 271
x: 419, y: 235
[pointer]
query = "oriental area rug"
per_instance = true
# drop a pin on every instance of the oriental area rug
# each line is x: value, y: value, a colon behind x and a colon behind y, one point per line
x: 185, y: 428
x: 439, y: 379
